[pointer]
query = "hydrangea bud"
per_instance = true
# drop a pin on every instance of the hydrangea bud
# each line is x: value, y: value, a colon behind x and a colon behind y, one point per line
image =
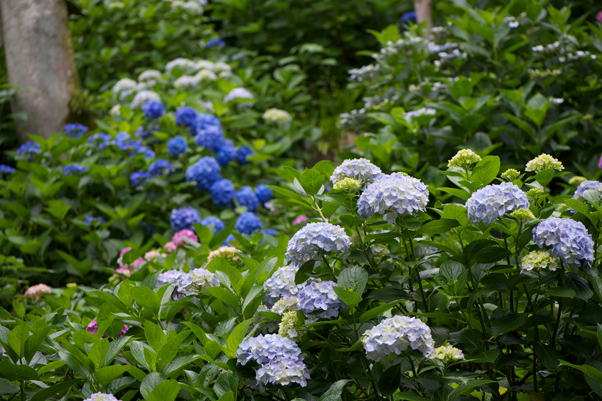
x: 347, y: 185
x: 523, y: 215
x: 464, y: 159
x: 544, y: 162
x: 510, y: 174
x: 537, y: 260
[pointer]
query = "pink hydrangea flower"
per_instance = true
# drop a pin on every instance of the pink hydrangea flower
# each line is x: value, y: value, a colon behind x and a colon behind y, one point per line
x: 170, y: 247
x: 178, y: 238
x: 599, y: 17
x: 226, y: 252
x: 600, y: 161
x: 93, y: 328
x: 299, y: 220
x: 36, y: 292
x: 137, y: 263
x: 152, y: 255
x: 123, y: 270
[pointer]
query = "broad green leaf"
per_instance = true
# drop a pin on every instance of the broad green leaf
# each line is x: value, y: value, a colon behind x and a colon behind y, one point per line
x: 146, y: 298
x: 379, y: 310
x: 164, y: 391
x: 16, y: 372
x: 350, y: 298
x: 486, y: 170
x: 154, y: 335
x: 469, y: 386
x: 236, y: 337
x: 508, y: 323
x: 51, y: 391
x: 438, y: 226
x: 588, y: 370
x: 353, y: 278
x: 7, y: 387
x: 311, y: 181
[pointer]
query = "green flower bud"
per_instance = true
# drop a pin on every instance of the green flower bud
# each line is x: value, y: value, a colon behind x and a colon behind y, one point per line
x: 347, y: 185
x: 544, y: 162
x: 464, y: 159
x: 523, y: 215
x: 535, y: 193
x: 510, y: 174
x: 576, y: 180
x: 538, y: 260
x: 287, y: 325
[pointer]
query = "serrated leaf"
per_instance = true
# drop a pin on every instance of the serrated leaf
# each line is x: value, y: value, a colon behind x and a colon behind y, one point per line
x: 353, y: 278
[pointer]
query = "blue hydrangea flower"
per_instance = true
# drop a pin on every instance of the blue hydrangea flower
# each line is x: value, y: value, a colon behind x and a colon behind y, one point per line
x: 269, y: 231
x: 587, y: 185
x: 248, y: 223
x: 242, y: 154
x: 160, y: 167
x: 394, y: 335
x: 216, y: 42
x: 222, y: 193
x: 217, y: 224
x: 358, y: 169
x: 226, y: 154
x: 4, y: 169
x: 314, y: 239
x: 101, y: 397
x: 146, y: 152
x: 319, y: 296
x: 211, y: 137
x: 184, y: 218
x: 568, y: 238
x: 90, y: 219
x: 177, y: 146
x: 139, y: 178
x: 229, y: 240
x: 392, y: 196
x: 133, y: 145
x: 170, y: 277
x: 99, y: 139
x: 206, y: 172
x: 247, y: 198
x: 281, y: 285
x: 410, y: 16
x: 75, y: 130
x: 147, y: 135
x: 494, y: 201
x: 186, y: 117
x: 75, y: 169
x: 204, y: 120
x: 153, y: 109
x: 263, y: 193
x: 29, y: 149
x: 280, y: 359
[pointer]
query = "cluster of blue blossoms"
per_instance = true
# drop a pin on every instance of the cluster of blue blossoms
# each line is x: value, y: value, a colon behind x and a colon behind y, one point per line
x: 319, y: 297
x: 568, y: 238
x: 75, y: 169
x: 316, y: 239
x: 495, y: 201
x: 28, y: 150
x: 4, y: 169
x: 75, y: 130
x: 279, y: 358
x: 91, y: 219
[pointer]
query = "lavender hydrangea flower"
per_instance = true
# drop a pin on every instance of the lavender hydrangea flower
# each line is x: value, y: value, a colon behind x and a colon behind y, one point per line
x: 568, y: 238
x: 587, y: 185
x: 160, y: 167
x: 75, y: 130
x: 176, y: 277
x: 392, y: 196
x: 222, y: 193
x: 247, y: 223
x: 319, y: 296
x: 75, y: 169
x: 199, y: 280
x: 217, y: 224
x: 211, y: 138
x: 153, y: 109
x: 184, y: 218
x: 139, y: 178
x: 186, y: 117
x: 226, y: 154
x: 358, y: 169
x: 394, y: 335
x: 177, y: 146
x: 206, y: 172
x: 242, y: 154
x: 281, y: 284
x: 313, y: 239
x: 263, y: 193
x: 494, y: 201
x: 247, y: 198
x: 280, y: 359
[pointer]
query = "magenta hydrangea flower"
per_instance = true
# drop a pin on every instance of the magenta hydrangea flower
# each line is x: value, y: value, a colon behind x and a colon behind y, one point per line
x: 299, y: 219
x: 600, y: 161
x: 93, y: 328
x: 127, y: 269
x: 178, y: 238
x: 170, y: 247
x: 599, y: 17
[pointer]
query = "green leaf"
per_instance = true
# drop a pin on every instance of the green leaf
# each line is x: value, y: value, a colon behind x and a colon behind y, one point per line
x: 576, y: 205
x: 410, y: 397
x: 379, y: 310
x: 98, y: 352
x: 51, y: 391
x: 58, y: 208
x: 460, y: 193
x: 154, y: 335
x: 486, y: 170
x: 349, y: 297
x: 165, y: 391
x: 588, y: 370
x: 228, y: 396
x: 107, y: 374
x: 311, y: 181
x: 353, y: 278
x: 469, y: 386
x: 6, y: 387
x: 236, y: 337
x: 179, y: 363
x: 335, y: 391
x: 456, y: 212
x: 562, y: 292
x: 17, y: 372
x: 508, y: 323
x: 204, y: 234
x: 438, y: 226
x: 114, y: 348
x: 146, y: 298
x: 544, y: 177
x: 389, y: 381
x: 522, y: 124
x: 492, y: 254
x: 225, y: 296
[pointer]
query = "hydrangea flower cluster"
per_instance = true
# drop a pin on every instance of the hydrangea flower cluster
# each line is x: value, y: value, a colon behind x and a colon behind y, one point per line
x: 177, y: 146
x: 179, y: 238
x: 143, y: 97
x: 447, y: 354
x: 211, y: 137
x: 568, y: 238
x: 494, y: 201
x: 206, y: 172
x: 392, y: 196
x: 394, y: 335
x: 4, y: 169
x: 184, y: 218
x: 225, y: 252
x: 247, y: 198
x: 75, y: 130
x: 319, y: 296
x: 176, y: 277
x: 313, y: 239
x: 544, y: 162
x: 347, y: 184
x: 286, y: 328
x: 281, y: 285
x: 587, y: 185
x: 299, y: 219
x: 523, y: 215
x: 226, y: 154
x: 160, y: 167
x: 576, y: 180
x: 186, y: 117
x: 222, y: 193
x: 276, y: 116
x: 280, y: 359
x: 217, y: 224
x: 284, y: 305
x: 464, y: 159
x: 536, y: 260
x: 198, y: 280
x: 358, y: 169
x: 139, y: 178
x: 263, y: 193
x: 101, y: 397
x: 37, y: 291
x: 240, y: 93
x: 242, y: 154
x: 510, y: 174
x: 90, y: 219
x: 247, y: 223
x: 28, y: 149
x: 75, y: 169
x: 153, y: 109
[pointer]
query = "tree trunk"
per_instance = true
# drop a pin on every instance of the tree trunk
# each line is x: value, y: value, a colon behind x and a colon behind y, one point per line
x: 39, y: 60
x: 424, y: 12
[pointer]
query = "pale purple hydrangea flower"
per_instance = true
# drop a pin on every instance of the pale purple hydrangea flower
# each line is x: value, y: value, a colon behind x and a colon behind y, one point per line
x: 198, y: 280
x: 281, y: 284
x: 396, y: 334
x: 319, y: 296
x: 313, y: 239
x: 494, y: 201
x: 358, y: 169
x: 568, y: 238
x: 587, y: 185
x: 392, y: 196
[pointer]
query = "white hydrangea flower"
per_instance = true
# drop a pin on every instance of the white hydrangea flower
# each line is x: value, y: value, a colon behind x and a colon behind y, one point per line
x: 123, y: 88
x: 204, y: 65
x: 142, y: 97
x: 240, y: 93
x: 151, y: 77
x: 205, y: 76
x: 186, y: 81
x: 183, y: 64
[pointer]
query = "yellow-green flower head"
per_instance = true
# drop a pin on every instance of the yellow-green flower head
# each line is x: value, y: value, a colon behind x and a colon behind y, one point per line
x: 535, y: 193
x: 464, y: 159
x: 523, y: 215
x: 510, y: 174
x: 544, y: 162
x: 447, y: 354
x: 576, y: 180
x: 347, y: 184
x: 537, y: 260
x: 286, y: 328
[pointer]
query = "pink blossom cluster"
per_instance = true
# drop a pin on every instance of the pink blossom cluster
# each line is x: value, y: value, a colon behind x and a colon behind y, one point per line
x: 93, y: 328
